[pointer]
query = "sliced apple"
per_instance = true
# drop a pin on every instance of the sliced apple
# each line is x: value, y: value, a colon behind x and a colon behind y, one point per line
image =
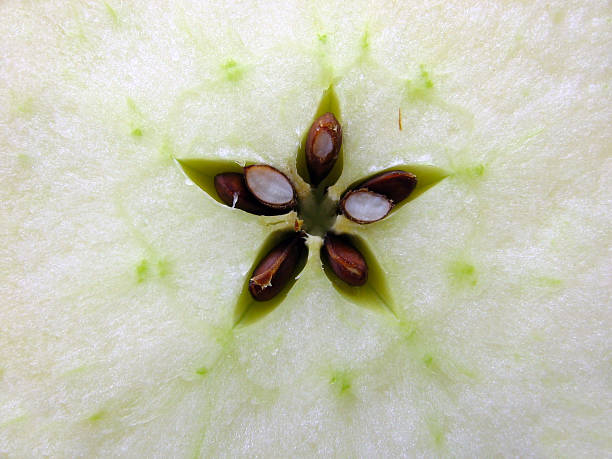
x: 127, y: 328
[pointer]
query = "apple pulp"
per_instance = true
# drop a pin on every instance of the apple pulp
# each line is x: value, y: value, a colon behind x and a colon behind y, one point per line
x: 120, y: 277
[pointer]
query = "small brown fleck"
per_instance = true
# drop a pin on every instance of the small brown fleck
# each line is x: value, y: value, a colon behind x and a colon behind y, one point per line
x: 399, y: 118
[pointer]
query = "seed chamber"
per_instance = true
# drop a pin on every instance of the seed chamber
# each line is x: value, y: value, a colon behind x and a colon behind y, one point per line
x: 317, y: 214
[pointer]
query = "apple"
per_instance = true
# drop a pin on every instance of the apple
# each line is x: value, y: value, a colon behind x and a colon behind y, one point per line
x: 126, y: 325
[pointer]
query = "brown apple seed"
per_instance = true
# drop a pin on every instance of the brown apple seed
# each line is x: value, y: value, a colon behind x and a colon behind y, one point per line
x: 274, y: 272
x: 270, y: 187
x: 345, y: 260
x: 395, y: 185
x: 364, y: 206
x: 322, y: 147
x: 231, y: 188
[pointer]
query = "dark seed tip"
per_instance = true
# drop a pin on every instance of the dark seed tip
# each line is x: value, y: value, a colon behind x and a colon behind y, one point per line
x: 396, y: 185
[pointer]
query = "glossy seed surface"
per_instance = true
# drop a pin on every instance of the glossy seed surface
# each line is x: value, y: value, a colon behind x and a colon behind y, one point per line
x: 275, y: 270
x: 345, y: 260
x: 395, y: 185
x: 231, y: 188
x: 322, y: 147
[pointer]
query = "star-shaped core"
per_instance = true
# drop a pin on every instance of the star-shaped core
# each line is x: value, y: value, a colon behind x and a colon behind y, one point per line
x: 264, y: 190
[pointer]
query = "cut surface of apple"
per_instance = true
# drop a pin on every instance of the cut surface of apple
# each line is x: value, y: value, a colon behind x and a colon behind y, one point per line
x: 120, y: 277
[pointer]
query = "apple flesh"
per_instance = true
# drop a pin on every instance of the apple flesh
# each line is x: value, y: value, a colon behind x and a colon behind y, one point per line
x: 120, y: 277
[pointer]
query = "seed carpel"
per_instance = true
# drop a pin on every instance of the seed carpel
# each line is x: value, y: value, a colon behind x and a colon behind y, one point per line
x: 328, y: 172
x: 248, y: 309
x: 374, y: 293
x: 397, y: 186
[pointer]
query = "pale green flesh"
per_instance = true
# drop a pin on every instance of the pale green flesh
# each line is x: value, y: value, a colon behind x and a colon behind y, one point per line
x: 122, y: 281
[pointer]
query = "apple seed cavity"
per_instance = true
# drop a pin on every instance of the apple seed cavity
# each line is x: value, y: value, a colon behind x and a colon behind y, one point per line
x: 231, y: 188
x: 364, y: 206
x: 270, y: 187
x: 264, y: 190
x: 322, y: 147
x: 395, y: 185
x: 274, y: 272
x: 345, y: 260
